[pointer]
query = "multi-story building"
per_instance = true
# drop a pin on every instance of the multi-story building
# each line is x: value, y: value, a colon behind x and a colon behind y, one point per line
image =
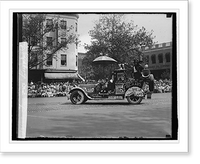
x: 64, y: 64
x: 159, y: 59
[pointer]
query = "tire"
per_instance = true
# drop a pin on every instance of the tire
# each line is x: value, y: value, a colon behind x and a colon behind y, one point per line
x: 85, y: 99
x: 77, y: 97
x: 134, y: 100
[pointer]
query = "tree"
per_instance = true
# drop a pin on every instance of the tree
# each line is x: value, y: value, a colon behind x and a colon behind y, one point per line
x: 165, y: 74
x: 117, y: 38
x: 36, y: 28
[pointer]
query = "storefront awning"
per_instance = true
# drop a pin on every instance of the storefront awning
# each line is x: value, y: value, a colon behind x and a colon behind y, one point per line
x: 63, y: 75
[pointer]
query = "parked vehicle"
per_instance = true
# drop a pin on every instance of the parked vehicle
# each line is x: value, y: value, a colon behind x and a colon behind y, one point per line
x: 119, y: 87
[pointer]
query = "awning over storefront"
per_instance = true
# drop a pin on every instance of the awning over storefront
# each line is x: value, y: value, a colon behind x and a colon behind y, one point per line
x: 63, y: 75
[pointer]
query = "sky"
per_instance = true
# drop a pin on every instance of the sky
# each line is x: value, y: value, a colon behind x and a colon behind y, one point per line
x: 159, y: 23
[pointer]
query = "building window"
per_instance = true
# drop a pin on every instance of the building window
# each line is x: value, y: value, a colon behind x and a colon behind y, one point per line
x: 33, y: 41
x: 76, y: 60
x: 63, y: 24
x: 76, y: 43
x: 33, y: 57
x: 49, y: 23
x: 167, y: 57
x: 63, y: 60
x: 49, y: 60
x: 147, y: 59
x: 153, y: 59
x: 49, y: 41
x: 76, y: 27
x: 160, y: 58
x: 63, y: 42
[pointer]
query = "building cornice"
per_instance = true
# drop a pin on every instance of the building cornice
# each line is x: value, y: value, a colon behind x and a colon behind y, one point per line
x: 74, y: 15
x: 158, y: 49
x: 68, y: 16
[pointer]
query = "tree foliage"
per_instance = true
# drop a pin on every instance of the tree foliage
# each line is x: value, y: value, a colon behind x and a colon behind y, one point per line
x: 112, y: 35
x: 165, y: 75
x: 35, y: 32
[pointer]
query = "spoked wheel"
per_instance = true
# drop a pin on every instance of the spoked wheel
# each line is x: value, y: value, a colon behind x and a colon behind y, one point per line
x: 134, y: 100
x: 77, y: 97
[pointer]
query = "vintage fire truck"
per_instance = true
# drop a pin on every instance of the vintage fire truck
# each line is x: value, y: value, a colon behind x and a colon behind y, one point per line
x: 119, y: 87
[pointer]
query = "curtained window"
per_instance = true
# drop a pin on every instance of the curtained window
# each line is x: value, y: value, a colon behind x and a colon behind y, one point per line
x: 63, y: 60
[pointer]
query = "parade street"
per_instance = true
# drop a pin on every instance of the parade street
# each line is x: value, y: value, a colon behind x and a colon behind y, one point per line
x: 58, y: 117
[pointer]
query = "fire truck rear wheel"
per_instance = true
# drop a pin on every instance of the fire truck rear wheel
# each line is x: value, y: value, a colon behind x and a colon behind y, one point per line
x: 134, y: 100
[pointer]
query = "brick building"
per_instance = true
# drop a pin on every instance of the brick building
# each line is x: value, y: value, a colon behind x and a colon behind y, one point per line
x: 159, y: 59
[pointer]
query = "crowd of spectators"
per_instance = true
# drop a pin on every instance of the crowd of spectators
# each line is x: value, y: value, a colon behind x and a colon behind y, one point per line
x: 162, y: 86
x: 49, y: 89
x: 62, y: 88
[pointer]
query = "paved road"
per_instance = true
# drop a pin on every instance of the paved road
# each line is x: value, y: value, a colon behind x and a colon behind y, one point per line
x: 57, y: 117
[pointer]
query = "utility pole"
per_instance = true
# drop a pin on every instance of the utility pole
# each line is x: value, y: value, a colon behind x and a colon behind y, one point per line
x: 56, y: 40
